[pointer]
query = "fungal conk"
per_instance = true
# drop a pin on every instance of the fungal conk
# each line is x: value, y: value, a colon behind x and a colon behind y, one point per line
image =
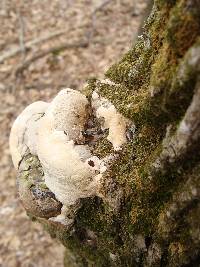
x: 54, y: 133
x: 113, y: 120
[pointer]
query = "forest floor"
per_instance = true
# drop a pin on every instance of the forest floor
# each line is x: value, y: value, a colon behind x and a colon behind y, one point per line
x: 98, y: 35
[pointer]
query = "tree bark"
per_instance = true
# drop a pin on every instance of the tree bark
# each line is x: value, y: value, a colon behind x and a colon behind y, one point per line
x: 151, y: 217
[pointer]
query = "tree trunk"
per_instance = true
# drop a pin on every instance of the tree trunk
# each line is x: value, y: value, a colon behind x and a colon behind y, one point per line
x: 151, y: 216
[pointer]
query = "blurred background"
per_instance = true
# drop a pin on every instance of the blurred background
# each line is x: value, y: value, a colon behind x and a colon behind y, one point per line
x: 44, y: 47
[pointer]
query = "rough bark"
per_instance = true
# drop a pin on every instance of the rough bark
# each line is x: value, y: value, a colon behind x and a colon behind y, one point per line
x: 151, y: 216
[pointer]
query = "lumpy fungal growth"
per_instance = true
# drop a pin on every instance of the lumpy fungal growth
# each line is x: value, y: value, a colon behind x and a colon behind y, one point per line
x: 23, y: 132
x: 113, y: 120
x: 54, y: 132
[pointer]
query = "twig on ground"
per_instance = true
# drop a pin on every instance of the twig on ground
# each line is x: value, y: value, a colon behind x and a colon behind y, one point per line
x: 13, y: 52
x: 56, y: 49
x: 21, y: 34
x: 26, y: 63
x: 101, y: 6
x: 59, y: 48
x: 93, y: 17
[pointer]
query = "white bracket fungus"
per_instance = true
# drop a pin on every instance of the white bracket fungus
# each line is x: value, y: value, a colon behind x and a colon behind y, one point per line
x: 113, y: 120
x: 23, y: 132
x: 54, y: 133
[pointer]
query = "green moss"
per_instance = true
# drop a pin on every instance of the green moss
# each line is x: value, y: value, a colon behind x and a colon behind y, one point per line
x: 72, y: 260
x: 90, y: 87
x: 91, y: 216
x: 102, y: 148
x: 43, y: 186
x: 180, y: 227
x: 126, y: 172
x: 134, y: 69
x: 183, y: 27
x: 32, y: 171
x: 152, y: 67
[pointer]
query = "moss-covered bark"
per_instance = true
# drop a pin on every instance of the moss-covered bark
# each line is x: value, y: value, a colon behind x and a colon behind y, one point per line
x: 153, y: 187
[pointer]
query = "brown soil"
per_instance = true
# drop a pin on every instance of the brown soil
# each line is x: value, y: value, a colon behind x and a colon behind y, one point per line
x: 24, y: 243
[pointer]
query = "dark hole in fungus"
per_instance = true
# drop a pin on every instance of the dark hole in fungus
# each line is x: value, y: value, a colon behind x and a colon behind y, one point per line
x: 91, y: 163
